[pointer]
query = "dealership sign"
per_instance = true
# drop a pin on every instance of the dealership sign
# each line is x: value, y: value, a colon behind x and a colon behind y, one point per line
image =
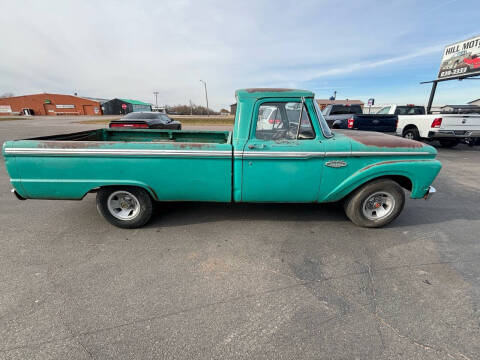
x: 461, y: 59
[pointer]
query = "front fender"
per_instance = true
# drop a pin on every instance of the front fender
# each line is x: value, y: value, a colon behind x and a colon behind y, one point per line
x: 421, y: 174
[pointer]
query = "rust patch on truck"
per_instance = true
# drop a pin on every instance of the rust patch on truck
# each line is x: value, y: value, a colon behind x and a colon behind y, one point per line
x: 389, y: 162
x: 73, y: 144
x: 370, y: 138
x: 192, y: 145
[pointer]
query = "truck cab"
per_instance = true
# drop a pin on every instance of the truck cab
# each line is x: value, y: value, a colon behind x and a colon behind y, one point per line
x: 287, y: 149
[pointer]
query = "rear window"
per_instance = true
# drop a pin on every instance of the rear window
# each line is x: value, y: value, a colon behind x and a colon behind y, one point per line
x: 410, y: 110
x: 346, y: 109
x: 384, y: 110
x: 142, y: 116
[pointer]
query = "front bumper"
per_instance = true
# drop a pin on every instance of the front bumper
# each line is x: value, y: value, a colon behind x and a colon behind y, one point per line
x: 17, y: 195
x: 453, y: 134
x: 430, y: 192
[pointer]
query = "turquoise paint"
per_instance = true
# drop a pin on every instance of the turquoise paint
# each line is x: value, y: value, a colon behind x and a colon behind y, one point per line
x: 206, y: 178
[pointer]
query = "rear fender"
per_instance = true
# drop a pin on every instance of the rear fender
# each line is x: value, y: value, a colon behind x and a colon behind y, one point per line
x: 71, y: 189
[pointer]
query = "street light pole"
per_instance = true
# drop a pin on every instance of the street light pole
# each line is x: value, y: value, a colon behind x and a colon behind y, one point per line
x: 206, y: 95
x: 156, y: 98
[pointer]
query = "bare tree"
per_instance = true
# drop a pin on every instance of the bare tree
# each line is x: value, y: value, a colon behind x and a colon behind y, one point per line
x: 190, y: 109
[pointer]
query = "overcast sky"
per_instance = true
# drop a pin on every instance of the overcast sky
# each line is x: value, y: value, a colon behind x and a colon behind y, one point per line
x: 107, y: 49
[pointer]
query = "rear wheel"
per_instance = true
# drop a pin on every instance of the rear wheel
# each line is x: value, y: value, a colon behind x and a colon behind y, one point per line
x: 411, y: 133
x: 375, y: 204
x: 126, y: 207
x: 448, y: 143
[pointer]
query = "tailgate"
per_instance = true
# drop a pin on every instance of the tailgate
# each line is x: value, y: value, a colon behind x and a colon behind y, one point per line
x: 466, y: 122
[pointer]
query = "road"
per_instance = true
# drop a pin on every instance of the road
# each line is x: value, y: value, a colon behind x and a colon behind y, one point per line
x: 208, y: 281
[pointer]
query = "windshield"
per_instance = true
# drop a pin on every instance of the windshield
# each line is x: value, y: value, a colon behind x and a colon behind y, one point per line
x: 323, y: 124
x: 142, y: 116
x: 166, y: 118
x: 410, y: 110
x: 345, y: 109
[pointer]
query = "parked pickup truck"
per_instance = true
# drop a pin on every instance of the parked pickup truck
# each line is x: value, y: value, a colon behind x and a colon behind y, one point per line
x: 352, y: 117
x: 448, y: 129
x: 295, y: 160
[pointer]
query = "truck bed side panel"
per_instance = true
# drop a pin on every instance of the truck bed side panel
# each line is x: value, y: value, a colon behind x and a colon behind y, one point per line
x: 169, y: 171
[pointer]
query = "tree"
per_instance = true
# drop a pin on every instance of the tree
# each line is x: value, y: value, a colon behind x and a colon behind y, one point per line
x: 189, y: 109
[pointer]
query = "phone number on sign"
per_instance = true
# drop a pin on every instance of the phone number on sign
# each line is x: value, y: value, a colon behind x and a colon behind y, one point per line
x: 453, y: 72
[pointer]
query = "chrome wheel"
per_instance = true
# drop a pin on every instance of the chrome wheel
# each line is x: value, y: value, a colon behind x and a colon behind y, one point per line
x: 378, y: 205
x: 123, y: 205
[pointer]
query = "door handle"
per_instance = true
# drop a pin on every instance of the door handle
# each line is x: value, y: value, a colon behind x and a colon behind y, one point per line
x: 255, y: 146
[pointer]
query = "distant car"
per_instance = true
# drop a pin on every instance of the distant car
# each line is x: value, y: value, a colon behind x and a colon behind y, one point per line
x: 146, y: 120
x: 455, y: 61
x: 473, y: 61
x: 449, y: 129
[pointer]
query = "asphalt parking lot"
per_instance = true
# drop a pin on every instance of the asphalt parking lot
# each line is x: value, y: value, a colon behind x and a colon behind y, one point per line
x: 207, y: 281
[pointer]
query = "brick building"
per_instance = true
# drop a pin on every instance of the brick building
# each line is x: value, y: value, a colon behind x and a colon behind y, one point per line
x: 49, y: 104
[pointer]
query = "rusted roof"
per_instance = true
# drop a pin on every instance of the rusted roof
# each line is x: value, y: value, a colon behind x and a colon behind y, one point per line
x: 272, y: 92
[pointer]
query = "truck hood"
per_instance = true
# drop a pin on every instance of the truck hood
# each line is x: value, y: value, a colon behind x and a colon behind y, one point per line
x: 378, y: 142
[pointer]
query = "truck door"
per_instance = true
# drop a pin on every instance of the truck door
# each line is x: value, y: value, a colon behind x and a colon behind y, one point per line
x: 283, y: 159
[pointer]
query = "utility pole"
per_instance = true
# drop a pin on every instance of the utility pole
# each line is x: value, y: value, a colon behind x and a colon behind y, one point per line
x: 191, y: 107
x: 206, y: 95
x: 156, y: 98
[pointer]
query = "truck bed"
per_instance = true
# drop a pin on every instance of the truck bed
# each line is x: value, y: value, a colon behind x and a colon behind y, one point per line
x: 149, y: 135
x: 172, y: 165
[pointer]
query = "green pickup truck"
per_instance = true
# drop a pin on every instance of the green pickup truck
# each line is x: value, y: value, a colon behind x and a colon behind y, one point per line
x: 280, y: 150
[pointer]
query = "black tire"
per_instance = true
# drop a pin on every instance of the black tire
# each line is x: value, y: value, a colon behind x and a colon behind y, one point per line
x: 448, y: 143
x: 138, y: 198
x: 364, y: 197
x: 411, y: 133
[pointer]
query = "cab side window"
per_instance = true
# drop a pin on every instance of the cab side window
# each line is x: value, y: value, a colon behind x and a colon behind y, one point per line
x: 384, y: 110
x: 284, y: 121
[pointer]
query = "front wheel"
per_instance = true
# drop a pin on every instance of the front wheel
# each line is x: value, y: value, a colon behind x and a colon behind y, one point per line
x: 126, y: 207
x: 375, y: 204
